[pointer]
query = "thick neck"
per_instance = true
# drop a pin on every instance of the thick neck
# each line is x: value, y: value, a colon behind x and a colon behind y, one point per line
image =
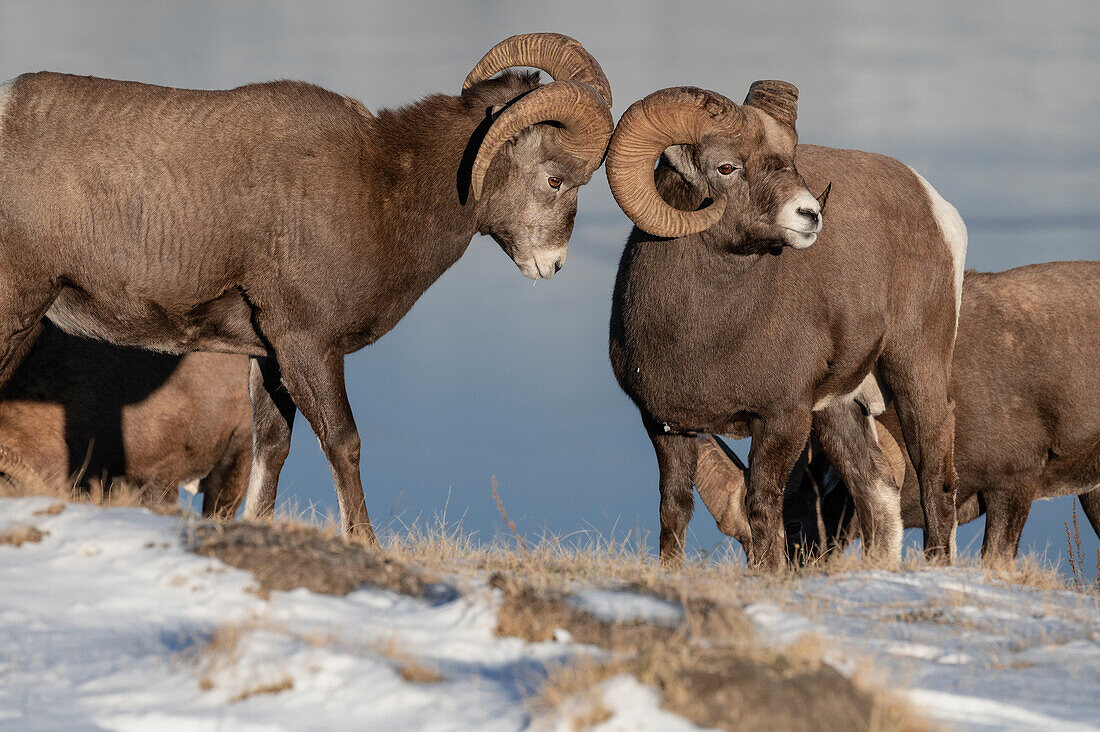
x: 416, y: 172
x: 424, y: 154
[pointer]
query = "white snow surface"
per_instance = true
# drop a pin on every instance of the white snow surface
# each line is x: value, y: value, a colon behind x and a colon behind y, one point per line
x: 105, y: 623
x: 968, y: 652
x: 103, y: 626
x: 621, y: 606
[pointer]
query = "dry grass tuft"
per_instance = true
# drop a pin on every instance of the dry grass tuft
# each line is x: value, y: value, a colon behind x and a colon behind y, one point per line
x: 284, y: 684
x: 520, y: 541
x: 222, y: 651
x: 709, y: 669
x: 52, y: 510
x: 573, y: 694
x: 1033, y: 570
x: 96, y: 491
x: 408, y: 667
x: 1077, y: 559
x: 19, y: 535
x: 286, y: 557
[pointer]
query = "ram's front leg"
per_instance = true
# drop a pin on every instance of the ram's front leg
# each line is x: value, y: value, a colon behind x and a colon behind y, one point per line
x: 777, y: 443
x: 676, y: 456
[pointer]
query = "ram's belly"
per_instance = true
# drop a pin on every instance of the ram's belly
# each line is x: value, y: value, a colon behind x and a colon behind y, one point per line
x: 687, y: 395
x: 222, y: 323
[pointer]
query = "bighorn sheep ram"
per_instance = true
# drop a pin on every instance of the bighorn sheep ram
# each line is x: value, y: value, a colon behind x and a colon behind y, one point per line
x: 1026, y: 388
x: 726, y: 320
x: 281, y: 220
x: 81, y: 409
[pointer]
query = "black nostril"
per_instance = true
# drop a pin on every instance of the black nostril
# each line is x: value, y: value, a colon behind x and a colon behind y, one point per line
x: 557, y: 266
x: 810, y: 214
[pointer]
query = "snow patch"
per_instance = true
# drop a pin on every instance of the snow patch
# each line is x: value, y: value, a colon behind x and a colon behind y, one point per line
x: 107, y: 623
x: 620, y: 606
x: 776, y: 626
x: 975, y: 653
x: 635, y: 706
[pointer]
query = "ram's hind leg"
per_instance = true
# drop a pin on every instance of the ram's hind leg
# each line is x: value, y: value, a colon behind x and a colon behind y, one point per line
x: 1006, y: 511
x: 272, y: 420
x: 850, y: 442
x: 225, y: 488
x: 927, y: 420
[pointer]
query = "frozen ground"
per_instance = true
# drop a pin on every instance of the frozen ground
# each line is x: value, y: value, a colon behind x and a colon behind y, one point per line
x: 107, y: 623
x: 971, y: 653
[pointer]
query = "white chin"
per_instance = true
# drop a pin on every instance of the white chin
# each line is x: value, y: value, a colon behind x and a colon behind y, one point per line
x: 797, y: 240
x: 529, y: 270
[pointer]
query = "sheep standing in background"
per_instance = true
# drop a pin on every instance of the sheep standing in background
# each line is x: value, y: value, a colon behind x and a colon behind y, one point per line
x: 80, y: 410
x: 281, y: 220
x: 735, y: 312
x: 1026, y: 387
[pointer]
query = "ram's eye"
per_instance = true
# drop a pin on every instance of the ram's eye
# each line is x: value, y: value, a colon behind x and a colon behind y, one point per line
x: 726, y: 168
x: 554, y: 182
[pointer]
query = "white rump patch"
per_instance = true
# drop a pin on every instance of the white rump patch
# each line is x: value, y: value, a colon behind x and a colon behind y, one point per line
x: 954, y: 233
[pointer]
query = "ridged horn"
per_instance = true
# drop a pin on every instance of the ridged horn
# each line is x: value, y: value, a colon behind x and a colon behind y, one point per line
x: 777, y: 98
x: 562, y: 57
x: 676, y: 116
x: 892, y: 451
x: 19, y: 473
x: 720, y: 480
x: 585, y: 125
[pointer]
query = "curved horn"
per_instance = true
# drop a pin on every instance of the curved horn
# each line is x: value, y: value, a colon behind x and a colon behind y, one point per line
x: 720, y: 480
x: 585, y: 120
x: 562, y: 57
x: 777, y: 98
x: 19, y: 472
x: 893, y: 453
x: 676, y: 116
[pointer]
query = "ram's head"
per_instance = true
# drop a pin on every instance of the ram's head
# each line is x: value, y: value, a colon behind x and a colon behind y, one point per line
x: 539, y: 149
x: 737, y: 160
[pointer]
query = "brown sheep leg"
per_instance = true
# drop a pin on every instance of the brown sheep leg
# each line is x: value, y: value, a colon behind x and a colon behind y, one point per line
x: 18, y: 332
x: 314, y: 377
x: 1090, y: 504
x: 927, y: 420
x: 23, y: 304
x: 272, y: 420
x: 849, y: 441
x: 676, y: 457
x: 777, y: 444
x: 224, y: 489
x: 18, y: 347
x: 1006, y: 511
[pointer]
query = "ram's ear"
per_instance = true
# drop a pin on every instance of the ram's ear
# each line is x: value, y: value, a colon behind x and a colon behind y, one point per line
x: 824, y: 197
x: 777, y: 98
x: 681, y: 158
x: 527, y: 142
